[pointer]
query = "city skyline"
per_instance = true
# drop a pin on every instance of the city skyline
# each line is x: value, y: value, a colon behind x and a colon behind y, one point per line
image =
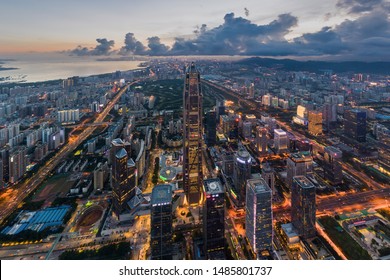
x: 342, y: 29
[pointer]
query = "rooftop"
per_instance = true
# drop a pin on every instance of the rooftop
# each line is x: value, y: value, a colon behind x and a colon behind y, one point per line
x: 303, y: 182
x: 259, y: 185
x: 161, y: 194
x: 213, y: 186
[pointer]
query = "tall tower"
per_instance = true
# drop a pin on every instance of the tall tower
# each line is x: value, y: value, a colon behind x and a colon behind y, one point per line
x: 161, y: 223
x: 192, y: 140
x: 303, y: 206
x: 258, y: 220
x: 214, y: 219
x: 123, y: 179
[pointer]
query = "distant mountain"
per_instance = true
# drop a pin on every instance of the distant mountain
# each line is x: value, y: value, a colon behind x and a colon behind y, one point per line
x: 319, y: 66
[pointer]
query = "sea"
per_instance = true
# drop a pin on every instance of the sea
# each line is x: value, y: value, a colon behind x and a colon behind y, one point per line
x: 38, y: 67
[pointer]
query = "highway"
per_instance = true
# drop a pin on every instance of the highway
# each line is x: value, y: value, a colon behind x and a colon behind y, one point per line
x: 28, y: 186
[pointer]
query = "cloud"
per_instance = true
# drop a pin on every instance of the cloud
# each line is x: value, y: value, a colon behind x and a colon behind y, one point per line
x: 132, y: 46
x: 104, y: 47
x: 366, y: 37
x: 361, y: 6
x: 156, y: 47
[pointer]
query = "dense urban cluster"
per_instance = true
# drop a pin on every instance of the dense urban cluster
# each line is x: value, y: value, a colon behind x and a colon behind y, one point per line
x: 251, y: 162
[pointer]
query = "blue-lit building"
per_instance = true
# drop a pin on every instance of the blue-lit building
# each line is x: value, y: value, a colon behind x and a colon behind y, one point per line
x: 161, y: 222
x: 258, y: 220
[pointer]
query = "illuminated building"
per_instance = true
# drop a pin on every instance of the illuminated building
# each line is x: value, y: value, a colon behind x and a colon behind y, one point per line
x: 332, y: 167
x: 192, y: 137
x: 228, y: 163
x: 280, y: 140
x: 355, y: 125
x: 261, y: 140
x: 258, y: 220
x: 214, y: 219
x: 17, y: 163
x: 298, y: 164
x: 315, y: 123
x: 303, y: 206
x: 123, y: 179
x: 220, y: 108
x: 161, y: 222
x: 246, y: 129
x: 242, y: 172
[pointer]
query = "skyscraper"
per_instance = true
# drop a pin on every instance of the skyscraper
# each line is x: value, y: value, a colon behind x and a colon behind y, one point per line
x: 355, y: 124
x: 280, y: 140
x: 192, y: 137
x: 258, y: 221
x: 303, y: 206
x: 242, y: 172
x: 332, y: 167
x: 315, y: 122
x: 298, y: 164
x: 161, y: 223
x: 211, y: 128
x: 214, y: 219
x: 123, y: 179
x: 261, y: 140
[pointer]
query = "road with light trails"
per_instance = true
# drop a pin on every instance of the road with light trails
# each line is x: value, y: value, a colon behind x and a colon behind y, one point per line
x: 27, y: 187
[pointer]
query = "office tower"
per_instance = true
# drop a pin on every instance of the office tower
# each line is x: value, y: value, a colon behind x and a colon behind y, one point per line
x: 246, y: 129
x: 17, y: 163
x: 332, y: 166
x: 269, y: 176
x: 329, y: 114
x: 116, y: 145
x: 301, y: 111
x: 214, y: 219
x: 242, y: 172
x: 192, y: 137
x: 252, y: 91
x: 355, y: 124
x: 228, y: 163
x: 280, y: 141
x: 220, y: 109
x: 211, y: 128
x: 261, y: 140
x: 161, y: 223
x: 315, y: 123
x: 123, y: 179
x: 258, y: 220
x: 303, y: 206
x: 298, y: 164
x: 4, y: 155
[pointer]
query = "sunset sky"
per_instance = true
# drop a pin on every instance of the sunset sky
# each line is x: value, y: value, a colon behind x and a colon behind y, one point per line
x: 353, y: 28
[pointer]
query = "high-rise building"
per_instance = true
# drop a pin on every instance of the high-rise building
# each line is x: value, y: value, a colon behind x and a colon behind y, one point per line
x: 315, y: 122
x: 214, y: 219
x: 17, y: 163
x: 280, y: 140
x: 161, y: 222
x: 1, y: 175
x: 355, y: 124
x: 246, y: 129
x: 220, y: 108
x: 242, y: 172
x: 261, y: 140
x: 228, y: 163
x: 298, y: 164
x: 211, y: 128
x: 303, y: 206
x: 192, y: 137
x: 332, y: 166
x: 123, y: 179
x: 258, y: 220
x: 269, y: 176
